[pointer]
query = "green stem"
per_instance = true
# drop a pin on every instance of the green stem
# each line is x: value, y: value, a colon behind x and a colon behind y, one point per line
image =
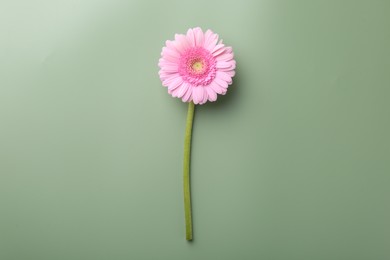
x: 186, y: 170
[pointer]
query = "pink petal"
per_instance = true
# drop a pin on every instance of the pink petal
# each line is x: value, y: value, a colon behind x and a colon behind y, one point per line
x: 168, y: 57
x: 167, y: 64
x: 183, y: 90
x: 191, y: 37
x: 218, y: 49
x: 205, y: 96
x: 181, y: 42
x: 162, y: 61
x: 170, y: 68
x: 222, y: 83
x: 224, y: 65
x: 188, y: 95
x: 231, y: 73
x: 199, y: 37
x: 167, y: 75
x: 229, y: 49
x: 217, y: 89
x: 234, y: 64
x: 175, y: 92
x: 170, y: 52
x: 197, y: 94
x: 173, y: 83
x: 171, y: 45
x: 229, y: 69
x: 210, y: 40
x: 225, y: 56
x: 211, y: 93
x: 222, y: 75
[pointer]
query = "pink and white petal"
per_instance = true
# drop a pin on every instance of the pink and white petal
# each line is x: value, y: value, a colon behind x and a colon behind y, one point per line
x: 199, y: 37
x: 234, y: 63
x: 210, y: 40
x: 218, y: 49
x: 170, y: 58
x: 225, y: 56
x: 170, y: 68
x: 225, y: 77
x: 183, y: 89
x: 170, y: 91
x: 223, y: 84
x: 197, y: 94
x: 231, y: 73
x: 181, y: 42
x: 163, y: 77
x: 173, y: 83
x: 170, y: 52
x: 163, y: 62
x: 171, y: 45
x: 191, y: 37
x: 205, y: 95
x: 224, y: 65
x: 166, y: 75
x: 175, y: 92
x: 195, y: 97
x: 229, y: 49
x: 227, y: 70
x: 212, y: 95
x: 172, y: 87
x: 188, y: 95
x: 217, y: 89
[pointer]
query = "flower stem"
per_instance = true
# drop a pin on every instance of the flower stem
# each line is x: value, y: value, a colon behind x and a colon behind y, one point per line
x: 186, y: 170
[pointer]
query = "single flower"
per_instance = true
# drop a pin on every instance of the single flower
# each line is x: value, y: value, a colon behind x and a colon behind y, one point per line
x: 196, y: 67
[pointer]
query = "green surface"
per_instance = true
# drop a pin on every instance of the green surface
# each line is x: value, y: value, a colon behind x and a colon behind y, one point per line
x: 292, y: 164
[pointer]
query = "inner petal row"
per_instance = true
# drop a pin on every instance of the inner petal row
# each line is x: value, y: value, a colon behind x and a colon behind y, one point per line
x: 197, y: 66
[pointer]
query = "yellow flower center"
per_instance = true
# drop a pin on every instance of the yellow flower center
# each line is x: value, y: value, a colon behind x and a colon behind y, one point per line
x: 197, y: 66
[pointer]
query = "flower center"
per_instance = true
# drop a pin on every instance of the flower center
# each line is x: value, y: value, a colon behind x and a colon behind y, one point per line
x: 197, y: 66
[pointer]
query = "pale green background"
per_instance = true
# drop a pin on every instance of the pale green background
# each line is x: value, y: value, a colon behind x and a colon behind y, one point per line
x: 292, y: 164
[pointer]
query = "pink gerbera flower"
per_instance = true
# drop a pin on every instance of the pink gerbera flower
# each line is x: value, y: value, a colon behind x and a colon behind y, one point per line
x: 196, y: 67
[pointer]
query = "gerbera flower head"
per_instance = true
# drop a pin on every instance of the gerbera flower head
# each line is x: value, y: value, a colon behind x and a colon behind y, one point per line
x: 196, y: 67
